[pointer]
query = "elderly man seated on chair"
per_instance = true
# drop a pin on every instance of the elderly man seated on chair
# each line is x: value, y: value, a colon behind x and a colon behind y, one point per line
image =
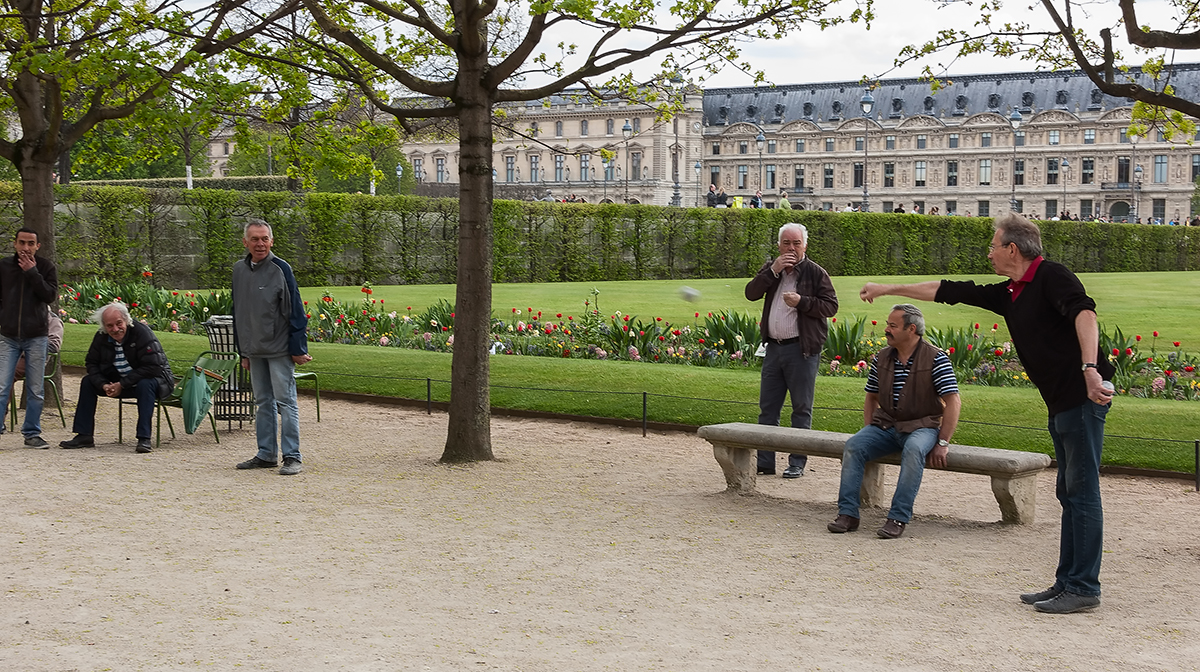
x: 124, y: 361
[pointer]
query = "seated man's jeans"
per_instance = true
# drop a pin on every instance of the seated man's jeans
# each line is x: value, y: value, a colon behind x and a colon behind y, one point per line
x: 35, y: 356
x: 275, y: 398
x: 1078, y: 436
x: 146, y: 392
x: 872, y: 443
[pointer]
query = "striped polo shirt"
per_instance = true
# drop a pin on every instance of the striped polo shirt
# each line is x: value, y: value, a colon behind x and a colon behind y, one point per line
x: 944, y: 381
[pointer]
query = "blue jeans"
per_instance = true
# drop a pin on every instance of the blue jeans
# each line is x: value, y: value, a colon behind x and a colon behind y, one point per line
x: 275, y: 397
x: 1078, y: 436
x: 146, y: 392
x: 786, y: 370
x: 35, y: 363
x: 872, y: 443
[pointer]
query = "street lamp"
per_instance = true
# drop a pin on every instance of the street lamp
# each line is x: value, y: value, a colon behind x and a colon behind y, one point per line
x: 1137, y: 170
x: 760, y: 141
x: 698, y: 167
x: 1062, y: 168
x: 607, y: 167
x: 627, y: 132
x: 1015, y: 120
x: 867, y: 103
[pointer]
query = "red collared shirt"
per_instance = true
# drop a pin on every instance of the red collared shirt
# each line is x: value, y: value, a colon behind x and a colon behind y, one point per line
x: 1015, y: 287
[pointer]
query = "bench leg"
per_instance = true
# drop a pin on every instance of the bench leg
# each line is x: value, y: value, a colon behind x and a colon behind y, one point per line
x: 871, y: 492
x: 739, y: 465
x: 1017, y: 497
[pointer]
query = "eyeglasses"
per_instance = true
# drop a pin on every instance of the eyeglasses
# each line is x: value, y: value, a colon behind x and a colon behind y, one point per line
x: 992, y: 248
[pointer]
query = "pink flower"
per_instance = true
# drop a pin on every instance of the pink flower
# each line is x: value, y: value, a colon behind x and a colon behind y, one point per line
x: 174, y: 325
x: 383, y: 340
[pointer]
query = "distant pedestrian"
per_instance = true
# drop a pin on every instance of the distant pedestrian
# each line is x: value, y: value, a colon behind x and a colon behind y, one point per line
x: 784, y: 203
x: 28, y: 285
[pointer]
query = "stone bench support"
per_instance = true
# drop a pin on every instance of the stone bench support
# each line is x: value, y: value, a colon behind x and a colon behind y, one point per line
x: 1013, y: 473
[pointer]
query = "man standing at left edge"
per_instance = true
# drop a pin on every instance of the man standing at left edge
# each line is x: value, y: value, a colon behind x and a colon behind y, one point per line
x: 270, y: 332
x: 28, y: 284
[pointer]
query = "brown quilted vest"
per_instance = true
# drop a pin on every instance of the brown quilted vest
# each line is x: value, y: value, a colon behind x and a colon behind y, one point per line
x: 919, y: 404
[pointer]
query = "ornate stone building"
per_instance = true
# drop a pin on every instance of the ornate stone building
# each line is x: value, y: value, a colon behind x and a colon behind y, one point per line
x: 954, y: 149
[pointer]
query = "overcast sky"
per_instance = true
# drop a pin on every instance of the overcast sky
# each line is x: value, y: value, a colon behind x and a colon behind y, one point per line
x: 850, y: 52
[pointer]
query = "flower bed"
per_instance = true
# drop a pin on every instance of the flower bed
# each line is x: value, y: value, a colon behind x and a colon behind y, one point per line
x: 715, y: 339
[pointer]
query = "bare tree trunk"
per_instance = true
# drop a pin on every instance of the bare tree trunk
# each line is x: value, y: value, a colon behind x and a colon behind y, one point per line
x: 37, y: 187
x: 469, y: 438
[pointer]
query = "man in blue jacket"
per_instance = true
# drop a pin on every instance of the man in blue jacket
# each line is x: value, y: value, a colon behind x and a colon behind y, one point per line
x: 270, y: 333
x: 28, y: 283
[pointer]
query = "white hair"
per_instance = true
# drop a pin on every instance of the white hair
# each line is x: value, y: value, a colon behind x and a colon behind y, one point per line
x: 798, y: 227
x: 98, y: 315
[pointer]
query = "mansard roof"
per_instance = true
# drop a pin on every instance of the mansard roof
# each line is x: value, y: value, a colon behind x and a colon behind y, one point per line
x: 960, y: 99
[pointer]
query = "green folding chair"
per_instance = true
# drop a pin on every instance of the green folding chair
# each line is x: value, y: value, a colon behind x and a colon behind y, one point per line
x: 211, y: 370
x: 51, y: 367
x: 311, y: 375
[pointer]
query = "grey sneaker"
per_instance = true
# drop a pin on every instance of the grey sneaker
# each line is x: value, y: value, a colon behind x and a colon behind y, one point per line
x: 291, y: 467
x: 143, y: 446
x: 35, y: 442
x: 793, y: 472
x: 255, y: 463
x: 1047, y: 594
x: 1067, y: 602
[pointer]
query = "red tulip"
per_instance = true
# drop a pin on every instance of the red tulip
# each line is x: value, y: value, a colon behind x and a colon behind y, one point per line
x: 999, y: 352
x: 1137, y: 337
x: 873, y: 323
x: 559, y: 315
x: 952, y: 351
x: 1177, y: 344
x: 995, y: 327
x: 835, y: 320
x: 1116, y: 352
x: 976, y: 325
x: 1128, y: 352
x: 1156, y: 334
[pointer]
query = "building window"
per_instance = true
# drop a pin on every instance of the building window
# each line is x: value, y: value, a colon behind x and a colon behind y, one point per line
x: 829, y: 144
x: 608, y: 127
x: 770, y: 177
x: 952, y: 173
x: 984, y: 209
x: 889, y: 174
x: 921, y: 141
x: 1085, y: 208
x: 951, y: 207
x: 798, y: 178
x: 716, y: 148
x: 559, y: 165
x: 1160, y: 209
x: 1162, y: 137
x: 226, y: 152
x: 418, y: 173
x: 858, y: 143
x: 1020, y: 138
x: 828, y: 176
x: 954, y: 141
x: 510, y: 169
x: 1195, y: 167
x: 890, y: 142
x: 1020, y: 205
x: 1160, y: 168
x: 714, y: 175
x: 985, y: 174
x: 583, y: 128
x: 1053, y: 137
x: 919, y: 174
x: 558, y: 129
x: 637, y: 125
x: 1087, y: 171
x: 441, y: 169
x: 585, y: 167
x: 770, y: 146
x: 533, y: 168
x: 800, y: 146
x: 887, y: 206
x: 1019, y: 172
x: 858, y: 175
x: 1123, y: 173
x: 743, y: 147
x: 742, y: 172
x: 635, y: 159
x: 1051, y: 206
x: 533, y: 129
x: 1051, y: 171
x: 1089, y: 136
x: 1124, y: 135
x: 985, y: 140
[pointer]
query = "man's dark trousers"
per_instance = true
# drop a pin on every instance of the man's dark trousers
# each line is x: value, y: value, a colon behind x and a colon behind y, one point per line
x: 786, y: 370
x: 146, y: 392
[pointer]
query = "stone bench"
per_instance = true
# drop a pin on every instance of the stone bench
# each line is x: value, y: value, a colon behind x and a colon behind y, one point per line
x: 1013, y: 473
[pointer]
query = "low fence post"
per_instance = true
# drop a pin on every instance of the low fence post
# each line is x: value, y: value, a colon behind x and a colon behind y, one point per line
x: 644, y: 396
x: 1197, y: 471
x: 429, y: 396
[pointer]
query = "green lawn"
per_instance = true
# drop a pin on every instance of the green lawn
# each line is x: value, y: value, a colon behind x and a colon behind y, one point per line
x: 697, y: 395
x: 1137, y: 302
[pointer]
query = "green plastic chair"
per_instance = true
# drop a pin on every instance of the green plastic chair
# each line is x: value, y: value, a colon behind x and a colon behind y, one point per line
x: 217, y: 368
x: 311, y: 375
x: 52, y: 367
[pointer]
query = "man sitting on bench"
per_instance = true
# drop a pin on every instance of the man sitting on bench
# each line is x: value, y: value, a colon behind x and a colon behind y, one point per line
x: 912, y: 407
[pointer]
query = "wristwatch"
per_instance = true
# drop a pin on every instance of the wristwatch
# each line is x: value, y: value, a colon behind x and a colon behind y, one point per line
x: 1087, y: 365
x: 943, y: 443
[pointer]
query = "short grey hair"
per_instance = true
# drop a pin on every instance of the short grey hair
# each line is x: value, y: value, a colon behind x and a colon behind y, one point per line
x: 256, y: 222
x: 912, y: 316
x: 799, y: 227
x: 98, y: 315
x: 1014, y: 228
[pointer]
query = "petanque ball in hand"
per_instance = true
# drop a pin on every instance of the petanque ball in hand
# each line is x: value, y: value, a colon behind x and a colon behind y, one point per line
x: 689, y: 294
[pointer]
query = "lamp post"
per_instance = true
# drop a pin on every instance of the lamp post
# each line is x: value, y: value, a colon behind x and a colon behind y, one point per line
x: 867, y: 103
x: 627, y: 132
x: 607, y: 163
x: 698, y: 168
x: 1137, y: 174
x: 1015, y: 120
x: 1063, y: 165
x: 760, y: 141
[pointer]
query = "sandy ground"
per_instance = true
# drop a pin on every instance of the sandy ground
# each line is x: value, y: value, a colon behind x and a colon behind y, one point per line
x: 582, y: 548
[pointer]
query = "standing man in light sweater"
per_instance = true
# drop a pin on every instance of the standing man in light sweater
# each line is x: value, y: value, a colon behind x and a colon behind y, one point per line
x: 270, y: 334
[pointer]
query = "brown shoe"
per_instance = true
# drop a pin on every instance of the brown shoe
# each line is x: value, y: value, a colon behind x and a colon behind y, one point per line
x: 843, y: 523
x: 892, y: 529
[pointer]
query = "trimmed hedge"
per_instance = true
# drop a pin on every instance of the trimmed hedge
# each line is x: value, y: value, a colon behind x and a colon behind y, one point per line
x: 191, y: 238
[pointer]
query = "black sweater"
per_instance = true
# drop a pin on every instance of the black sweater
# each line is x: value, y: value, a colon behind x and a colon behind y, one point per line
x: 1042, y: 324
